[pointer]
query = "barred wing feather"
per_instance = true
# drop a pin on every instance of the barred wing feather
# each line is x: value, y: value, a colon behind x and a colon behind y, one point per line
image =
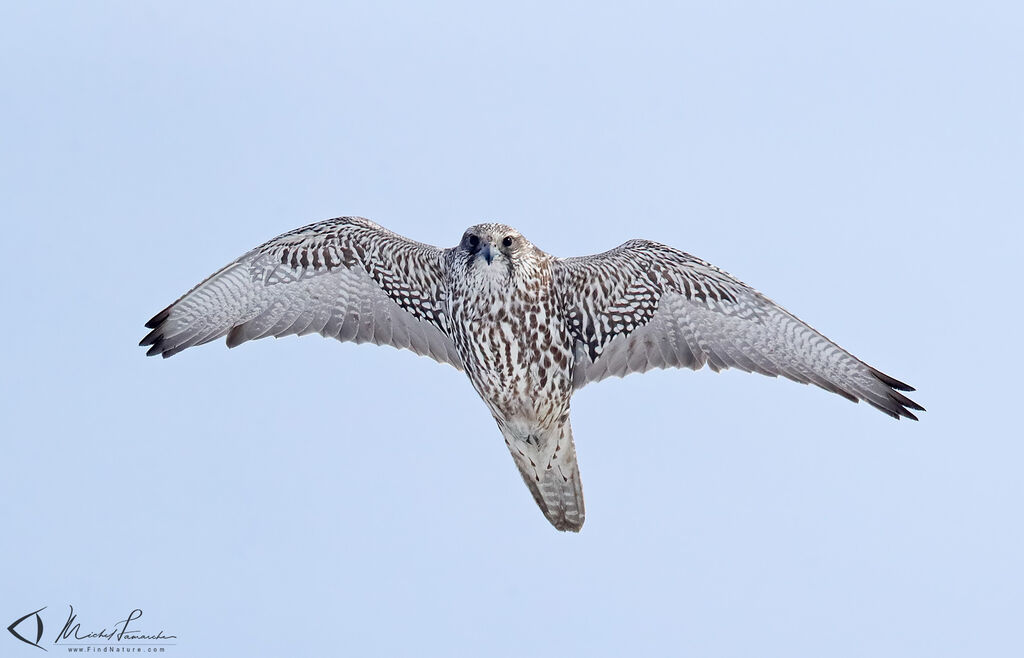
x: 645, y: 305
x: 345, y: 278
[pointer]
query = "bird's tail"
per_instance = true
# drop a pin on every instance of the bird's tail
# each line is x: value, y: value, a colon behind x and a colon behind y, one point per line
x: 547, y: 462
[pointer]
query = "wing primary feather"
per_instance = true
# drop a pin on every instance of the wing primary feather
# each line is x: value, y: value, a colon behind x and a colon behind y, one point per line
x: 158, y: 319
x: 346, y: 278
x: 892, y: 382
x: 705, y: 317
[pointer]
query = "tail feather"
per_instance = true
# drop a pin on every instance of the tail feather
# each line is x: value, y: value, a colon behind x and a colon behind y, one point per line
x: 547, y: 462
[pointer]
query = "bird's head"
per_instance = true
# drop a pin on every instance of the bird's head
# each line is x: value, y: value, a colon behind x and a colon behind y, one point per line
x: 493, y: 248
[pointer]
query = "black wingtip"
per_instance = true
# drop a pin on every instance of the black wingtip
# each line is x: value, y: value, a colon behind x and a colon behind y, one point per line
x: 158, y: 319
x: 891, y: 382
x: 151, y: 338
x: 155, y: 339
x: 900, y: 404
x: 157, y: 345
x: 910, y: 404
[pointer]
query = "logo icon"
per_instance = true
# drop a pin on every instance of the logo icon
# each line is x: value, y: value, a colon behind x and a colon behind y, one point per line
x: 39, y: 628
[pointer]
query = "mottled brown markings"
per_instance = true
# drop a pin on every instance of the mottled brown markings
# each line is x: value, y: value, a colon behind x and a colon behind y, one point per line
x: 519, y: 326
x: 343, y: 241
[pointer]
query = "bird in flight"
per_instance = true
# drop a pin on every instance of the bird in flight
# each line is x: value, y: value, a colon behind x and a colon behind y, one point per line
x: 528, y: 328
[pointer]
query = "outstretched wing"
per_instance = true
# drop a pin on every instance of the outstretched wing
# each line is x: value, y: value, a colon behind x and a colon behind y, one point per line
x: 346, y: 278
x: 644, y: 305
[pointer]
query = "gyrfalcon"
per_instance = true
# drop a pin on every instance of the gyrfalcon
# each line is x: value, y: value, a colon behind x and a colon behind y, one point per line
x: 528, y: 328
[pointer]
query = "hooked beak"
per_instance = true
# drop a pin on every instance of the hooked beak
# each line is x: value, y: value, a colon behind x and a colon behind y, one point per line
x: 485, y: 251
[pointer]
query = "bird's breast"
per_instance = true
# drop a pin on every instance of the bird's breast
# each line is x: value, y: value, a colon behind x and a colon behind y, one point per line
x: 516, y: 353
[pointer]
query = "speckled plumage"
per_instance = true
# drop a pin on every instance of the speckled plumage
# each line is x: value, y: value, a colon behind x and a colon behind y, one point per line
x: 528, y: 328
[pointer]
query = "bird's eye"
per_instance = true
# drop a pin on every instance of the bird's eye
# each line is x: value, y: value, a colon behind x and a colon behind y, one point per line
x: 507, y: 241
x: 473, y: 241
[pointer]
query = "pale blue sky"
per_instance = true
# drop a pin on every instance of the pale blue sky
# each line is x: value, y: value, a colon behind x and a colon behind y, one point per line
x: 860, y: 163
